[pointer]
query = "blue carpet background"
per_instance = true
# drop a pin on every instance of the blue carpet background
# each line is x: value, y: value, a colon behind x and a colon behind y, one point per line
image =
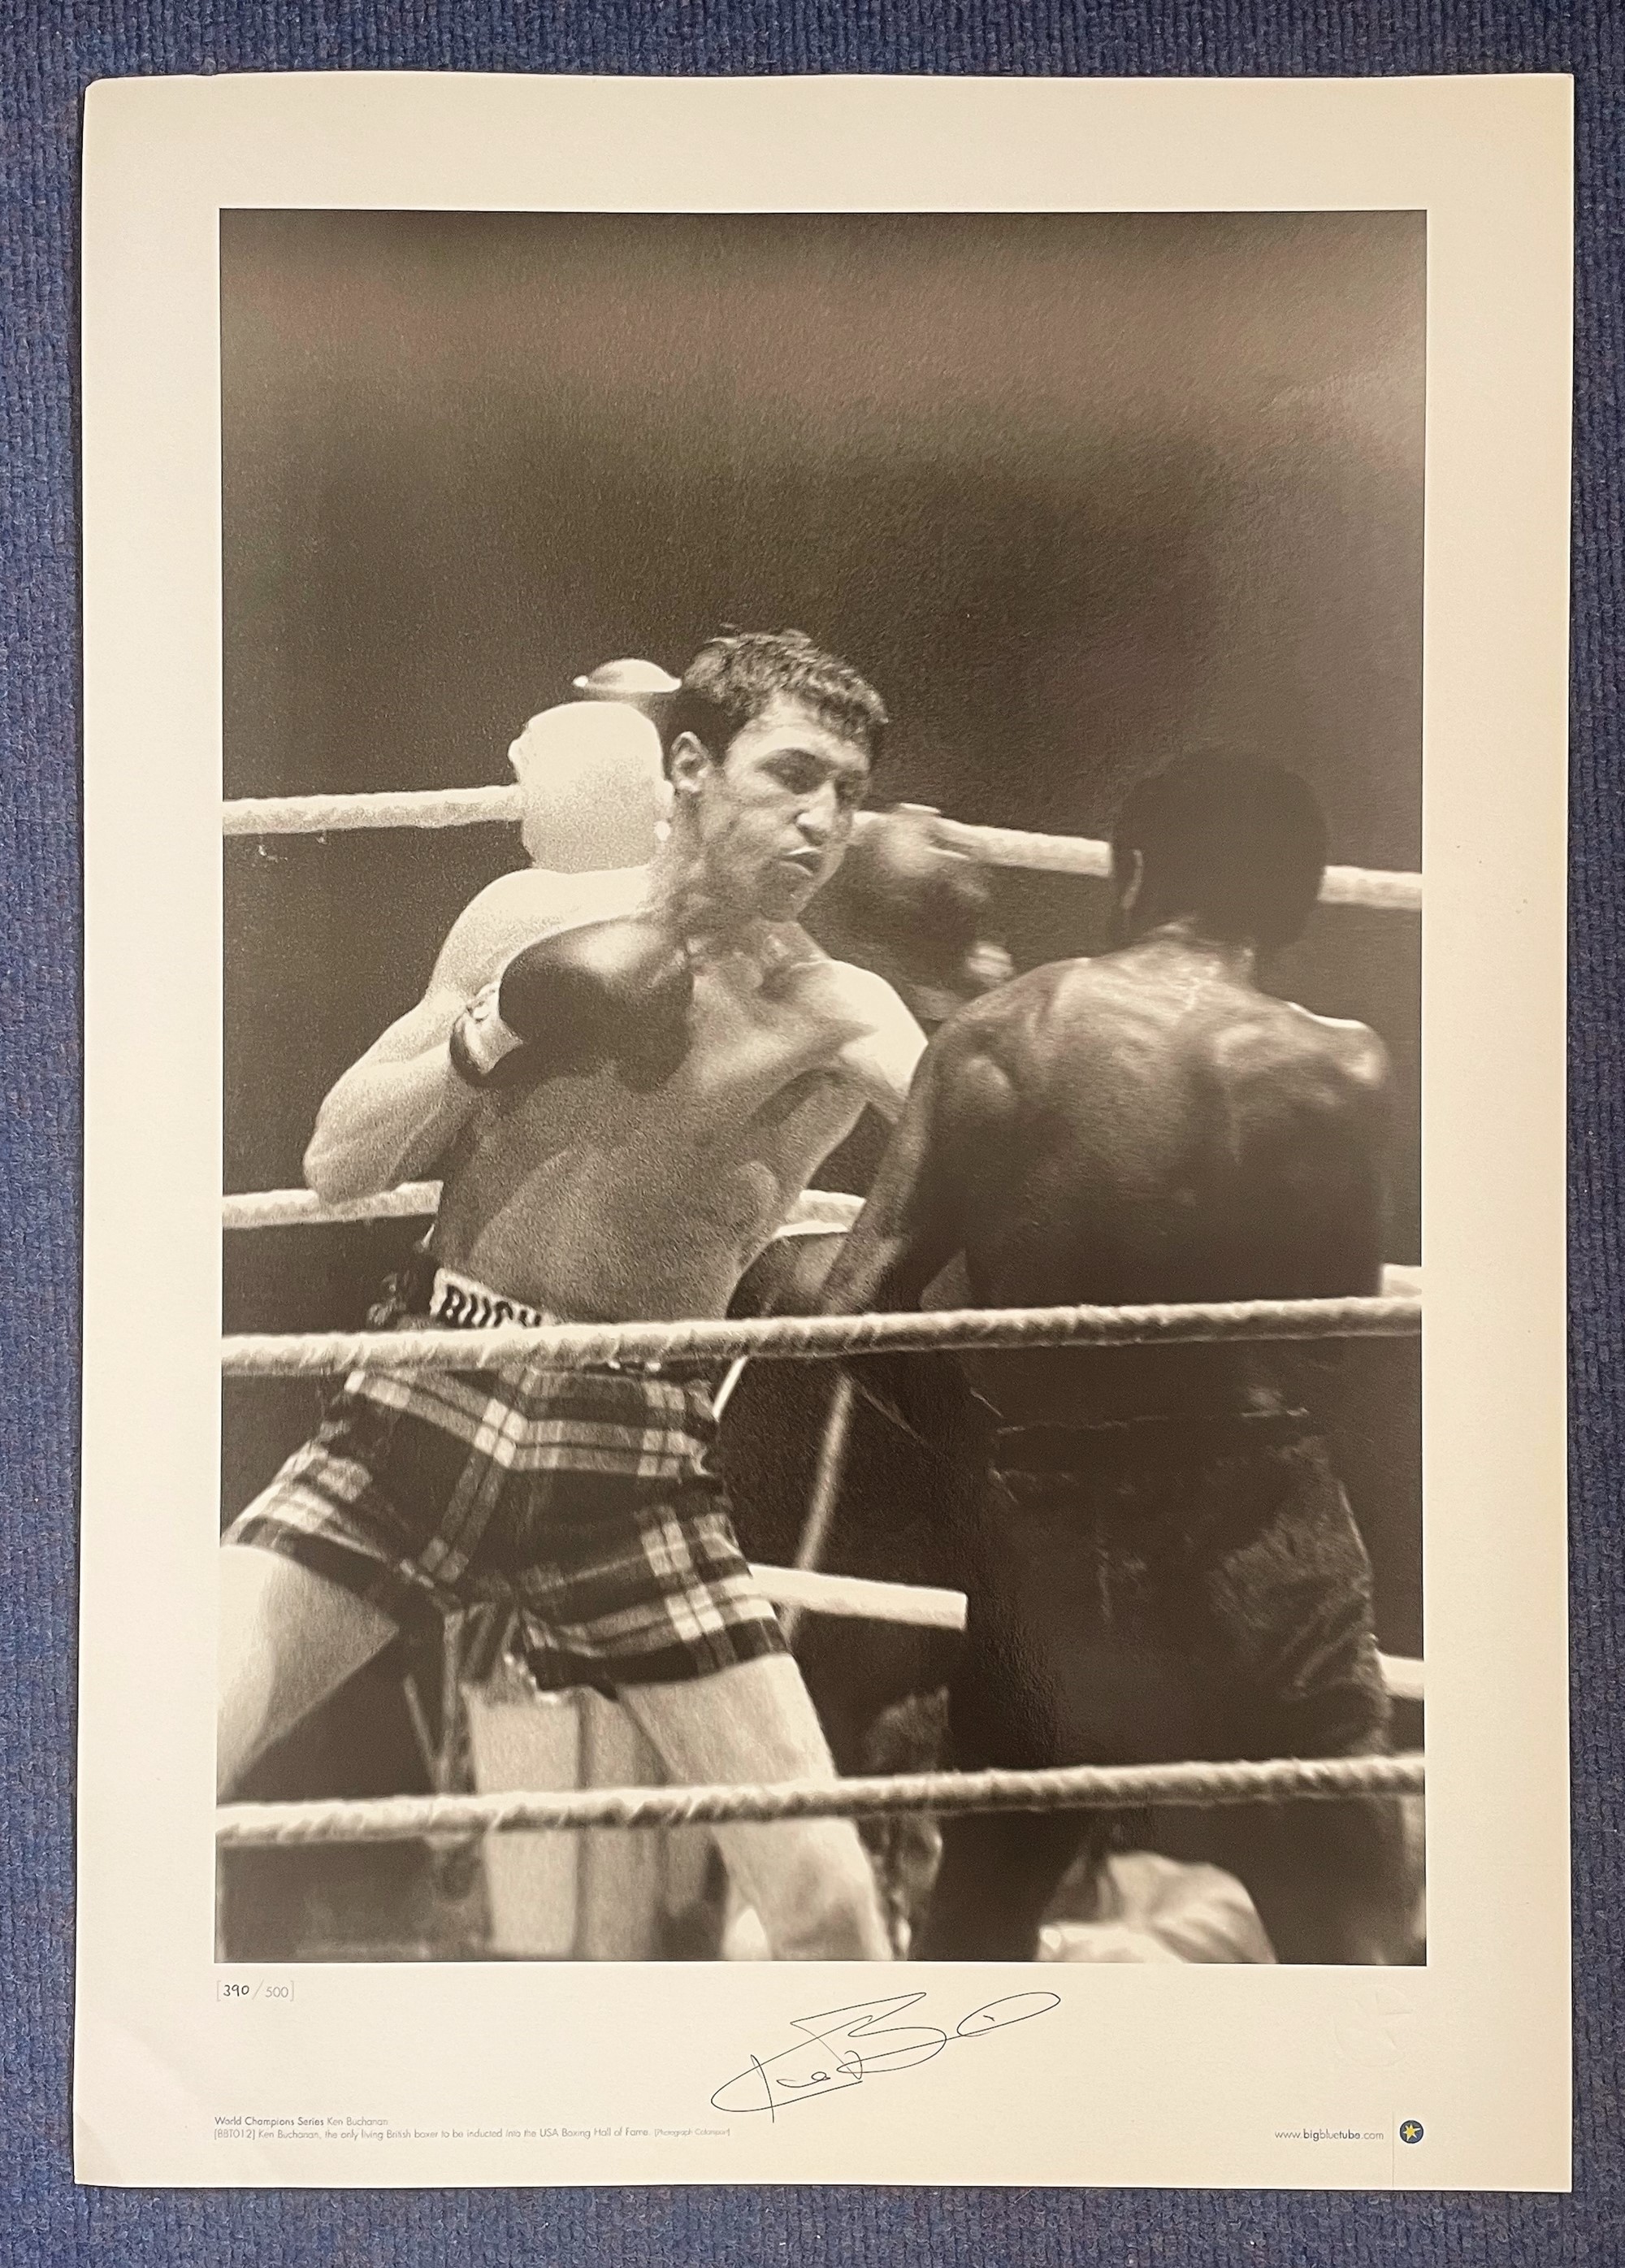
x: 47, y: 54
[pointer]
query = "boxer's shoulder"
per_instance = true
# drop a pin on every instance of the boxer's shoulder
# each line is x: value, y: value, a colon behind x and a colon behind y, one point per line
x: 864, y: 993
x: 1280, y: 1068
x: 1058, y: 1018
x: 1276, y: 1038
x: 1020, y: 1010
x: 859, y: 1028
x: 798, y: 969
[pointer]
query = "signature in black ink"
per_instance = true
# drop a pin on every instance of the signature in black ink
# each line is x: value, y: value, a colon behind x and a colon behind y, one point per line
x: 844, y: 2046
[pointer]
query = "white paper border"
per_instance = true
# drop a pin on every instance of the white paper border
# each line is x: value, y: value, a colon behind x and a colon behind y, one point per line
x: 1155, y: 2075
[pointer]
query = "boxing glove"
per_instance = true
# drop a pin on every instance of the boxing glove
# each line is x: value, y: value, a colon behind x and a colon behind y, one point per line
x: 609, y: 992
x: 910, y: 889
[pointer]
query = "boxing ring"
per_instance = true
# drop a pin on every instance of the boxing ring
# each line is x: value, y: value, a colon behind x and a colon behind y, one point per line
x: 449, y: 1816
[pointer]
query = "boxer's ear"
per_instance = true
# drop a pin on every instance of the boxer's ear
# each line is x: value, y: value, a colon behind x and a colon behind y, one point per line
x: 688, y: 765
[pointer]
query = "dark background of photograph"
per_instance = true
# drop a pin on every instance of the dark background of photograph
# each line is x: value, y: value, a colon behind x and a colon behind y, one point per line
x: 1075, y: 491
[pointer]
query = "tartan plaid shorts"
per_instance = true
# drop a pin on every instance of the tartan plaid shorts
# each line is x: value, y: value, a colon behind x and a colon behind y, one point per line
x: 582, y: 1497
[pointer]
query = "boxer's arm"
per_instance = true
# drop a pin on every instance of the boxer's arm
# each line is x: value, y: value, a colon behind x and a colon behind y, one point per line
x: 1310, y: 1123
x: 914, y: 1222
x: 395, y: 1112
x: 881, y: 1059
x: 1348, y: 1255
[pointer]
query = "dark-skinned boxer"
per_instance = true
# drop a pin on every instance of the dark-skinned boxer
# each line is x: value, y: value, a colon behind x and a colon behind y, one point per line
x: 1161, y: 1562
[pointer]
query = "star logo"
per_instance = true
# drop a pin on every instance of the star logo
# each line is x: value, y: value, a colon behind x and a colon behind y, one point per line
x: 1410, y: 2130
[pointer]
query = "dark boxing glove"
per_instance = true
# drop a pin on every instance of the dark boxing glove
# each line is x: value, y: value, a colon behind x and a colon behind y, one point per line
x: 609, y: 992
x: 910, y: 889
x: 922, y: 908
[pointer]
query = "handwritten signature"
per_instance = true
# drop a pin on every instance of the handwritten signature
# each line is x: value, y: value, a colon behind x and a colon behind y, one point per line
x: 844, y: 2046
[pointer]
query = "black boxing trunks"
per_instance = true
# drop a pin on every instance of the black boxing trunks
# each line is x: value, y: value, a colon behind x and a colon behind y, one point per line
x: 1161, y: 1589
x: 582, y: 1497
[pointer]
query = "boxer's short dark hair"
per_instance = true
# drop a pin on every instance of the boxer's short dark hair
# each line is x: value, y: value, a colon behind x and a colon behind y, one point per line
x: 736, y: 675
x: 1227, y: 835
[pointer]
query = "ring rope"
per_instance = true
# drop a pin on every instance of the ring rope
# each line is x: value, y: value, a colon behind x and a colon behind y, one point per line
x: 924, y: 1606
x: 1384, y: 889
x: 813, y: 1211
x: 861, y: 1598
x: 413, y: 1200
x: 303, y: 1208
x: 342, y: 815
x: 294, y: 1354
x: 400, y: 1818
x: 1380, y: 888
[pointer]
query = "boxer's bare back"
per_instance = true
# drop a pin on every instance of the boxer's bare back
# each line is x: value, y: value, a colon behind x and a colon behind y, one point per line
x: 1147, y: 1126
